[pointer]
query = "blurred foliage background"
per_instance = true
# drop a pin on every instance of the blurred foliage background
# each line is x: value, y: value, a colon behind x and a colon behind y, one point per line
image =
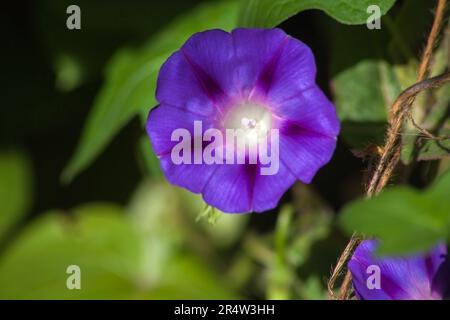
x: 79, y: 184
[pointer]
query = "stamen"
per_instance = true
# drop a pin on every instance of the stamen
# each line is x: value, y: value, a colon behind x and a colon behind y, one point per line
x: 251, y: 120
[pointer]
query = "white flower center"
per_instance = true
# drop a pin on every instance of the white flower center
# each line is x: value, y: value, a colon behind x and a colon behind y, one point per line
x: 253, y: 121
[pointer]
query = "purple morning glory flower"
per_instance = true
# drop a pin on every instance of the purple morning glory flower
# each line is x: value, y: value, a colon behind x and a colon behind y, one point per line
x: 419, y: 277
x: 257, y: 81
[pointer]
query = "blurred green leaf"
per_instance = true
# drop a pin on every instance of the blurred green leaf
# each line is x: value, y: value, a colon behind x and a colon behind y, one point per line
x: 161, y: 214
x: 170, y: 212
x: 16, y: 185
x: 406, y: 220
x: 269, y: 13
x: 154, y: 211
x: 313, y: 289
x: 438, y: 193
x: 223, y: 228
x: 309, y: 234
x: 363, y: 93
x: 97, y: 238
x: 186, y: 277
x: 150, y: 161
x: 131, y: 81
x: 282, y: 231
x: 280, y: 272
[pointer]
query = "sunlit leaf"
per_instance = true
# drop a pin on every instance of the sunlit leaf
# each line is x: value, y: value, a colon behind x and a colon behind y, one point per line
x: 269, y: 13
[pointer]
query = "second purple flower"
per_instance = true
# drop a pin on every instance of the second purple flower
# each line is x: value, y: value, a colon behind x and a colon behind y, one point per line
x: 419, y: 277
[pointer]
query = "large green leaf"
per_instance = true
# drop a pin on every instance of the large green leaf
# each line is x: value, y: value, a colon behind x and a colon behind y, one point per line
x: 269, y: 13
x: 97, y: 238
x: 405, y: 219
x: 15, y: 189
x: 131, y: 81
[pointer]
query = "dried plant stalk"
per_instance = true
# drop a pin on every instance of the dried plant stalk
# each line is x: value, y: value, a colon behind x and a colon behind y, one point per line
x: 391, y: 151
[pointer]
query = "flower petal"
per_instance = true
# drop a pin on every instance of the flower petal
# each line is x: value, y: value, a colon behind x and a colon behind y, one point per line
x: 268, y: 189
x: 242, y: 188
x: 312, y: 110
x: 401, y: 278
x: 254, y: 50
x: 304, y: 152
x: 193, y: 78
x: 290, y: 70
x: 165, y: 119
x: 161, y: 123
x: 193, y: 177
x: 231, y: 188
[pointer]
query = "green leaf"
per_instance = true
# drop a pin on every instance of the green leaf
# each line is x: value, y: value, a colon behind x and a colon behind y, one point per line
x: 359, y: 92
x: 280, y: 274
x: 362, y: 95
x: 131, y: 81
x: 16, y: 186
x: 438, y: 193
x: 312, y: 289
x: 150, y: 161
x: 144, y: 252
x: 97, y: 238
x: 161, y: 214
x: 437, y: 121
x: 406, y: 220
x: 269, y: 13
x: 187, y: 277
x: 155, y: 212
x: 424, y: 148
x: 222, y: 228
